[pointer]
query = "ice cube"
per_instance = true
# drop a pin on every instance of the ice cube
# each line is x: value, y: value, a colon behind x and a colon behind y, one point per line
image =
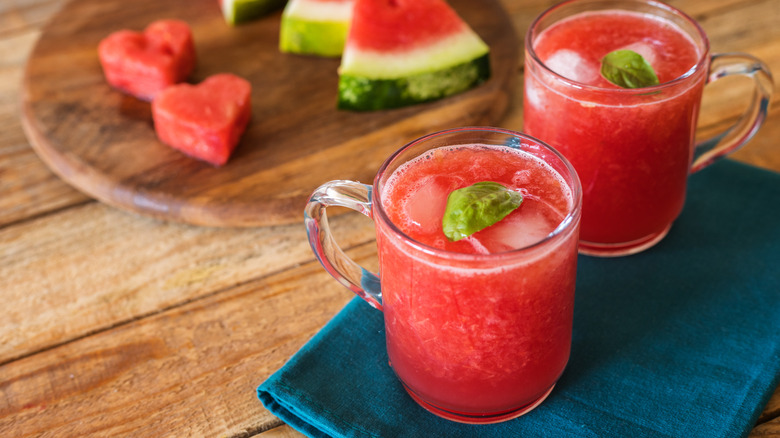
x: 522, y: 228
x: 646, y: 50
x: 532, y: 94
x: 425, y: 206
x: 571, y: 65
x: 521, y: 178
x: 479, y: 247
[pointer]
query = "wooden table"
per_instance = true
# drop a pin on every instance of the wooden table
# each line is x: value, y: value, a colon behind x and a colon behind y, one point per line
x: 119, y: 324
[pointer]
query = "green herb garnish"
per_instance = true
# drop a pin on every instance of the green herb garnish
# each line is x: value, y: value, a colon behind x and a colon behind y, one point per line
x: 477, y: 207
x: 628, y: 69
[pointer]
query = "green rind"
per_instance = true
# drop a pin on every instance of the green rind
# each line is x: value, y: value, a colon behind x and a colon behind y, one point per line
x: 360, y: 93
x: 245, y: 11
x: 416, y: 59
x: 306, y: 37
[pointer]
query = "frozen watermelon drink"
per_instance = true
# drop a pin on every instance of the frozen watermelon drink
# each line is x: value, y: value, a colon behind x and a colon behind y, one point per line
x: 477, y: 232
x: 616, y: 86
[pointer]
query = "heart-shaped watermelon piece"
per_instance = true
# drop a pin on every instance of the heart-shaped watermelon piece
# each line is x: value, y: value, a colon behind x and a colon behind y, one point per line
x: 144, y: 63
x: 204, y: 121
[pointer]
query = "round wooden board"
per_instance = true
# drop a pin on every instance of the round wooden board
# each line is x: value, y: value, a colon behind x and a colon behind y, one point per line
x: 103, y: 142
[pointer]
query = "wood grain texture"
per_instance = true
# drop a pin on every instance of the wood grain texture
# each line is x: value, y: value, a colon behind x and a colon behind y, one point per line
x: 27, y: 187
x: 283, y: 431
x: 770, y: 429
x: 188, y: 371
x: 19, y: 16
x: 772, y: 409
x: 92, y: 268
x: 103, y: 142
x: 121, y: 325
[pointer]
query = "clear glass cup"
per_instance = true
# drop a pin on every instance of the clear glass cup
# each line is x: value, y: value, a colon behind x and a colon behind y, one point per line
x: 633, y: 148
x: 474, y: 338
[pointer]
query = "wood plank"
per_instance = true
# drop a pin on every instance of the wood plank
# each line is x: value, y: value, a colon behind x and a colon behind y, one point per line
x: 93, y: 267
x: 734, y: 31
x: 16, y: 16
x: 762, y: 149
x: 283, y: 431
x: 770, y: 429
x: 188, y: 371
x: 27, y: 187
x: 772, y: 409
x: 700, y: 10
x: 716, y: 16
x: 734, y: 28
x: 727, y: 98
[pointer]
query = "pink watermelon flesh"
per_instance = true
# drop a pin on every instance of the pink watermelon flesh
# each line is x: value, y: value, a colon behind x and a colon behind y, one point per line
x: 204, y: 121
x: 400, y: 25
x: 144, y: 63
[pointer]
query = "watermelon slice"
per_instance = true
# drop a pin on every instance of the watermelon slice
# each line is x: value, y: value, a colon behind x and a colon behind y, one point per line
x: 315, y: 27
x: 242, y: 11
x: 205, y: 121
x: 403, y: 52
x: 144, y: 63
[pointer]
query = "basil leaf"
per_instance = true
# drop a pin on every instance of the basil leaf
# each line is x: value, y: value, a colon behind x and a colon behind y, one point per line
x: 477, y: 207
x: 628, y: 69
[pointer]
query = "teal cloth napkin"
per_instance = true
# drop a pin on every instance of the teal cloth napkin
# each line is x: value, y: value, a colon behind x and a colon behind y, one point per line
x: 682, y: 340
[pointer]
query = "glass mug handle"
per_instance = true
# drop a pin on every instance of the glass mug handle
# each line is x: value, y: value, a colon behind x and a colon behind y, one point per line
x: 355, y: 196
x: 736, y: 64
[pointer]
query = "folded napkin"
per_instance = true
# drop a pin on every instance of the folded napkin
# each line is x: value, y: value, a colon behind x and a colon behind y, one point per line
x: 682, y: 340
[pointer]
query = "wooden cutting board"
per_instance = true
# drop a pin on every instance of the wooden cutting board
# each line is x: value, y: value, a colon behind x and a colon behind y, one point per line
x: 103, y: 142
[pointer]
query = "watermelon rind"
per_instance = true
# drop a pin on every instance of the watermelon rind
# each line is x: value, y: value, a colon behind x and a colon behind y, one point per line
x: 370, y: 80
x: 311, y: 27
x: 322, y: 38
x: 238, y: 12
x: 364, y: 94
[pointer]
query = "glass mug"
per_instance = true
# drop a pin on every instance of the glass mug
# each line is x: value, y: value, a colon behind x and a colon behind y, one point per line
x: 474, y: 338
x: 633, y: 149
